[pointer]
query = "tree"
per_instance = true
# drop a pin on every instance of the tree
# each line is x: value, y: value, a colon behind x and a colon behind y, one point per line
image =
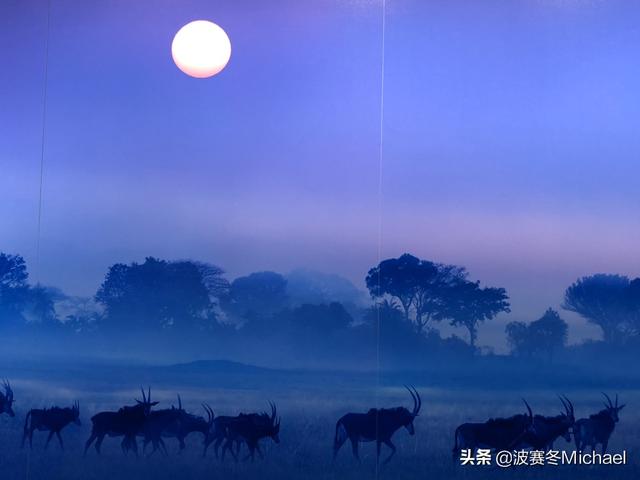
x: 40, y: 305
x: 256, y: 296
x: 159, y: 294
x: 606, y: 301
x: 543, y: 336
x: 467, y: 305
x: 320, y: 319
x: 14, y: 289
x: 419, y: 286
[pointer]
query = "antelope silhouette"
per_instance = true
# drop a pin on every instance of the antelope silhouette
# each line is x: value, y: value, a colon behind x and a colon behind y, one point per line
x: 377, y: 425
x: 547, y: 429
x: 588, y: 432
x: 126, y: 422
x: 496, y: 433
x: 52, y: 420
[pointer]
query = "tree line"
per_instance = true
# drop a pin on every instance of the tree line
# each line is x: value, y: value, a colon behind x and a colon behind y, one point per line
x: 409, y: 298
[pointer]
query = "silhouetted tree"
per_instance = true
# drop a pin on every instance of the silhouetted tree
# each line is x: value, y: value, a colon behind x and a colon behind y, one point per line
x: 420, y: 286
x: 467, y: 305
x: 544, y: 336
x: 14, y: 290
x: 158, y: 293
x: 320, y: 319
x: 40, y: 305
x: 256, y: 297
x: 606, y: 301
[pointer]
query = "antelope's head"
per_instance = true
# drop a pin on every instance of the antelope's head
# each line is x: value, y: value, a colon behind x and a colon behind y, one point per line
x: 407, y: 417
x: 6, y: 399
x: 274, y: 424
x: 146, y: 402
x: 612, y: 409
x: 210, y: 418
x: 568, y: 417
x: 529, y: 424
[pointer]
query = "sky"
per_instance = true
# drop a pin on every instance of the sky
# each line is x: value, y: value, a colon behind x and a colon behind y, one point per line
x: 509, y: 140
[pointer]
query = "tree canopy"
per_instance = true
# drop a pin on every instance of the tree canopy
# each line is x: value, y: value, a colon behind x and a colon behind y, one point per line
x: 543, y: 337
x: 611, y: 302
x: 419, y: 286
x: 159, y: 293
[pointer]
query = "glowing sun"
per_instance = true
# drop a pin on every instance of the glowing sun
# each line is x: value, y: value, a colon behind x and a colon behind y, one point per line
x: 201, y: 49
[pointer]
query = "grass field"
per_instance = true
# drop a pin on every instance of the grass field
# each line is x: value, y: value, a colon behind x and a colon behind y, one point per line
x: 308, y: 422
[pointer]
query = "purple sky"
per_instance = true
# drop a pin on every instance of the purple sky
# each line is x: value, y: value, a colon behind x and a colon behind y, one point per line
x: 510, y: 140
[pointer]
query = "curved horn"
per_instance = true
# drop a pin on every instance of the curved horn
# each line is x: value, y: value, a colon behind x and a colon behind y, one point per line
x: 273, y: 412
x: 570, y: 406
x: 149, y: 395
x: 616, y: 400
x: 179, y: 402
x: 415, y: 401
x: 144, y: 397
x: 528, y: 408
x: 564, y: 404
x: 608, y: 400
x: 419, y: 400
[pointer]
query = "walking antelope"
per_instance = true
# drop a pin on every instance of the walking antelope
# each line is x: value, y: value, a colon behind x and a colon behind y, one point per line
x: 6, y: 400
x: 250, y: 429
x: 496, y: 433
x: 548, y: 429
x: 218, y: 433
x: 126, y: 422
x: 189, y: 423
x: 52, y: 420
x: 598, y: 427
x: 174, y: 423
x: 377, y: 425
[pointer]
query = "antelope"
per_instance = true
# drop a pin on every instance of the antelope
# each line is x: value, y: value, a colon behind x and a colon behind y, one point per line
x: 154, y: 426
x: 126, y: 422
x: 218, y: 433
x: 189, y: 423
x: 598, y: 427
x: 6, y: 400
x: 377, y: 425
x: 251, y: 428
x: 548, y: 429
x: 52, y: 420
x: 496, y: 433
x: 174, y: 423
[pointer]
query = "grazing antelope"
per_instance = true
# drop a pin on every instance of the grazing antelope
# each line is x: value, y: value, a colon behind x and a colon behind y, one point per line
x: 52, y: 420
x: 598, y: 427
x: 250, y: 429
x: 496, y: 433
x: 126, y: 422
x: 6, y: 400
x: 548, y: 429
x: 377, y: 425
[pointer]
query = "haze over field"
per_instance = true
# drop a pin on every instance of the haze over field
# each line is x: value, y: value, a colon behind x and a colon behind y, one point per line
x: 509, y: 144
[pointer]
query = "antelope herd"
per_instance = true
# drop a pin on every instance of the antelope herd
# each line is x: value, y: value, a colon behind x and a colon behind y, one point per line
x: 518, y: 432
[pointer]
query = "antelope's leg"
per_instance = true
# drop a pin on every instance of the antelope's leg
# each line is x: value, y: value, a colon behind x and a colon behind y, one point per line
x: 88, y: 443
x: 378, y: 445
x: 60, y: 440
x: 46, y: 445
x: 604, y: 446
x: 393, y: 450
x: 99, y: 443
x: 354, y: 448
x: 216, y: 445
x: 163, y: 447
